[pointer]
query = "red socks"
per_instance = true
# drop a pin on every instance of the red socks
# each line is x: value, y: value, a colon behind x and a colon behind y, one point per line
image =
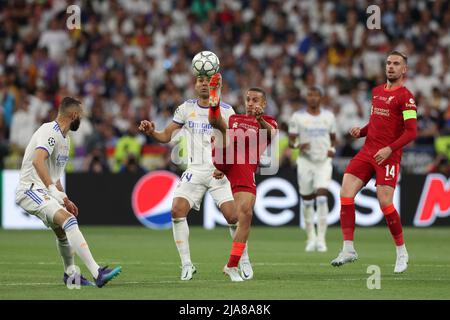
x: 394, y: 224
x: 236, y: 253
x: 348, y: 218
x: 214, y: 112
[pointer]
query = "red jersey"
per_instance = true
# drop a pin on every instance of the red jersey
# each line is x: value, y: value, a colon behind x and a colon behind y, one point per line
x: 245, y: 144
x: 246, y: 141
x: 387, y: 120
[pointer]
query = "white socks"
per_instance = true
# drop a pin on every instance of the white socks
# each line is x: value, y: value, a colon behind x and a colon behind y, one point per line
x: 77, y: 242
x: 67, y: 255
x: 233, y: 228
x: 180, y: 230
x: 322, y: 214
x: 348, y: 246
x: 401, y: 250
x: 308, y: 214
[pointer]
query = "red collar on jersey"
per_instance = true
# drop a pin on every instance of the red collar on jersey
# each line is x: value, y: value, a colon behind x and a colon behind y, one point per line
x: 392, y: 89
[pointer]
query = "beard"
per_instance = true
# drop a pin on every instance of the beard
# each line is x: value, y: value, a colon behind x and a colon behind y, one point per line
x: 392, y: 78
x: 75, y: 125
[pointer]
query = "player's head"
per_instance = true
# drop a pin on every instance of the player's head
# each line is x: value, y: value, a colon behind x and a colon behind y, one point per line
x: 255, y: 96
x: 396, y: 65
x: 202, y: 86
x: 313, y: 97
x: 70, y: 110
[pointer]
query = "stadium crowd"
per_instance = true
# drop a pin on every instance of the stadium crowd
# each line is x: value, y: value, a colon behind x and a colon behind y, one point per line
x: 131, y: 61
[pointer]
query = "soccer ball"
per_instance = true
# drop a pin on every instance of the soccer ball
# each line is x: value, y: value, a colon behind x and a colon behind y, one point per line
x: 205, y: 63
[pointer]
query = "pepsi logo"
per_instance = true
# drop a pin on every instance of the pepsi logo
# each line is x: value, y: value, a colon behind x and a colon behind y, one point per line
x: 152, y: 199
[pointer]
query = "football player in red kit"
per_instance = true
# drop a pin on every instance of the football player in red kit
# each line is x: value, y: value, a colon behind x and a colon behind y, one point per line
x: 236, y: 152
x: 392, y: 125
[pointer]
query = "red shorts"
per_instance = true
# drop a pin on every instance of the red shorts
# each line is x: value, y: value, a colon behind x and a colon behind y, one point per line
x: 386, y: 173
x: 241, y: 177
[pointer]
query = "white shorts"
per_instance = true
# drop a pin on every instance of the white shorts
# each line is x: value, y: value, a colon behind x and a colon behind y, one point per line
x: 313, y: 176
x: 194, y: 184
x: 39, y: 203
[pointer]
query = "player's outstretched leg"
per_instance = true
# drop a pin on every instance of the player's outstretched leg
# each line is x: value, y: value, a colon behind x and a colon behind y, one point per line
x: 67, y: 254
x: 76, y: 240
x: 245, y: 266
x: 215, y: 86
x: 348, y: 253
x: 308, y: 214
x: 395, y: 227
x: 322, y: 214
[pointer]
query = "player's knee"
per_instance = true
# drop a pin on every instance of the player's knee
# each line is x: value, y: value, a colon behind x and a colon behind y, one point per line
x: 61, y: 216
x: 384, y: 198
x: 308, y: 203
x: 245, y: 210
x: 347, y: 193
x: 384, y: 201
x: 178, y: 212
x: 231, y: 219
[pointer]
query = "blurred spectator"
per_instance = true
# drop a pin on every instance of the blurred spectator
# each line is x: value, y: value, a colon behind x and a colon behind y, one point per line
x: 23, y: 126
x: 131, y: 165
x: 440, y: 165
x: 96, y: 162
x: 427, y: 125
x: 131, y: 143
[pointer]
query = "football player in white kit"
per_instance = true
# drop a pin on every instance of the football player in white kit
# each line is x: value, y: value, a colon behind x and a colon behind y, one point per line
x: 198, y: 178
x: 313, y: 131
x: 41, y: 194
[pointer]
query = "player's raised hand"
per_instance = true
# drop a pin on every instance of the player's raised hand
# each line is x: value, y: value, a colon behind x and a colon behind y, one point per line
x: 259, y: 112
x: 218, y: 174
x: 355, y: 132
x: 382, y: 155
x: 147, y: 127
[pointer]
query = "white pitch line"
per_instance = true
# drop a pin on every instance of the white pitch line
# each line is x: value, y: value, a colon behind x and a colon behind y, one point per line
x: 223, y: 280
x: 260, y: 264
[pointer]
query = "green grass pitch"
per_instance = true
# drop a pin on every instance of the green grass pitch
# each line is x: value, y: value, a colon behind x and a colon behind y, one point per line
x: 30, y: 267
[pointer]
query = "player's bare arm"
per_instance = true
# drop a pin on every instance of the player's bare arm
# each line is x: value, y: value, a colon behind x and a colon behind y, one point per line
x: 332, y: 150
x: 148, y: 127
x: 40, y: 156
x: 293, y: 143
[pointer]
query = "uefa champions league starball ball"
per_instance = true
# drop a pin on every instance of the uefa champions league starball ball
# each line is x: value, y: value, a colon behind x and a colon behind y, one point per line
x: 205, y: 63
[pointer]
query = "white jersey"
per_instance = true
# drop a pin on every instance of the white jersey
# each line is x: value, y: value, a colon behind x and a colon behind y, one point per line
x: 48, y: 137
x: 198, y: 131
x: 315, y: 130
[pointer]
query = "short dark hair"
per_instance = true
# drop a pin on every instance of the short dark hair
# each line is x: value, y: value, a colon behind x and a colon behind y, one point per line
x: 316, y: 89
x: 399, y: 53
x: 68, y: 102
x: 258, y: 89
